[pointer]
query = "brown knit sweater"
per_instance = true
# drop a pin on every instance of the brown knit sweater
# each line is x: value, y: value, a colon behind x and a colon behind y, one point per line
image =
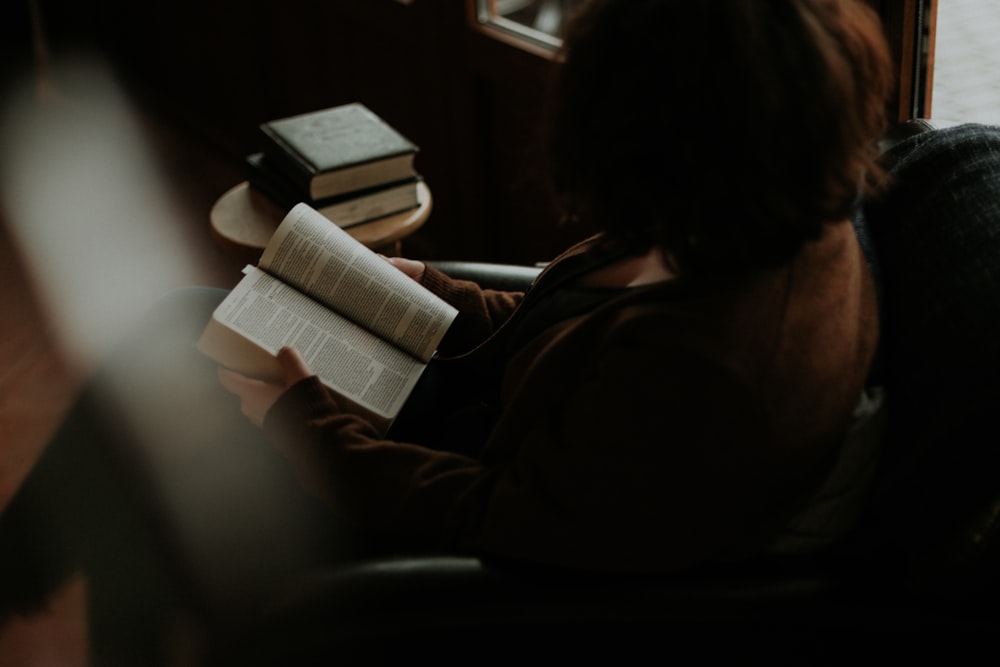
x: 671, y: 425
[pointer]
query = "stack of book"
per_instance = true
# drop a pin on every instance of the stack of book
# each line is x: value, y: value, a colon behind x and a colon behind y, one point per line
x: 345, y: 162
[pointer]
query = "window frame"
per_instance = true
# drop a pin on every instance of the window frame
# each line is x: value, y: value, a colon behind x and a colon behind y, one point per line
x: 485, y: 15
x: 909, y: 26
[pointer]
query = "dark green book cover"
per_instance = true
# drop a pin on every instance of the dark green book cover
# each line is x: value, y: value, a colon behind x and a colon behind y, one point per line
x: 312, y: 148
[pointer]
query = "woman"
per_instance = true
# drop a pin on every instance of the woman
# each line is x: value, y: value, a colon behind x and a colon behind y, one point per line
x: 674, y: 390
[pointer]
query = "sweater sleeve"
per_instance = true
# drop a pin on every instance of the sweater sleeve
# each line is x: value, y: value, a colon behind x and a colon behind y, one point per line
x: 404, y: 494
x: 480, y: 311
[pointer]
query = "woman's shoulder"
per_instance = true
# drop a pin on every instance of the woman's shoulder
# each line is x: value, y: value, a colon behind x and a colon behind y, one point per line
x: 815, y: 317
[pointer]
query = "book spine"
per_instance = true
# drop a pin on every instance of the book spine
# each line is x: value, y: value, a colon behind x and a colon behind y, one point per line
x: 292, y: 164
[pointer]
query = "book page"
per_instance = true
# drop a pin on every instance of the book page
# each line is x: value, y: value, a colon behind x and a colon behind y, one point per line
x: 321, y: 259
x: 346, y: 357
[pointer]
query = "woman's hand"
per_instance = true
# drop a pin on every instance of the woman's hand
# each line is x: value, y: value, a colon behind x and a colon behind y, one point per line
x: 411, y: 267
x: 257, y: 397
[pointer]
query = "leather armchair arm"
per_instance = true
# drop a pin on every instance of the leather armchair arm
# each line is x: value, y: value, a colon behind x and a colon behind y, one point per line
x: 377, y: 611
x: 507, y: 277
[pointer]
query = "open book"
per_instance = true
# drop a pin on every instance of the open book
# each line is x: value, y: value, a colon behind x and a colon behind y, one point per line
x: 365, y: 328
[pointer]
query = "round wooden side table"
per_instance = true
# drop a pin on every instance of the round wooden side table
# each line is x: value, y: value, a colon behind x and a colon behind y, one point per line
x: 243, y: 221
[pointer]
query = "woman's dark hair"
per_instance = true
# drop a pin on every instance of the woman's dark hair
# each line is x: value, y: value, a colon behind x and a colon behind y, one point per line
x: 727, y: 131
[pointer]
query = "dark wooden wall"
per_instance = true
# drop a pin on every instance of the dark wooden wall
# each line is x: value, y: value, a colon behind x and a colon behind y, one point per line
x: 217, y: 68
x: 468, y: 97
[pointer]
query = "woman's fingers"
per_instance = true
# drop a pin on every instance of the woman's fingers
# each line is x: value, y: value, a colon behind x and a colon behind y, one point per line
x: 295, y: 368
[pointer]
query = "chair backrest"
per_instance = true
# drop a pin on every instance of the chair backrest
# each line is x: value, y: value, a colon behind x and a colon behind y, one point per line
x: 936, y: 233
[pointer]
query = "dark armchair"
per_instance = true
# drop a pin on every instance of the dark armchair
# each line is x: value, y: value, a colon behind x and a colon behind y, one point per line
x: 919, y: 574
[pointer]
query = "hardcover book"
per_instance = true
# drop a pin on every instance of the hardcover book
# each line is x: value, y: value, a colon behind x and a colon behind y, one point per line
x: 346, y: 210
x: 364, y: 328
x: 337, y: 150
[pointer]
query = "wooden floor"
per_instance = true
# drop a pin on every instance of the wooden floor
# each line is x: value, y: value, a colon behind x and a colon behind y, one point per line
x: 38, y: 380
x: 36, y: 384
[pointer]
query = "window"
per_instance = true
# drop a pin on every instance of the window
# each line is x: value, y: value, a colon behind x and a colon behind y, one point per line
x: 539, y: 21
x: 966, y: 74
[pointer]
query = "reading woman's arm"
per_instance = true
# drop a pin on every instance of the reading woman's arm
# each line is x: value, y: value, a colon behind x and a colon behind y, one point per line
x: 480, y: 311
